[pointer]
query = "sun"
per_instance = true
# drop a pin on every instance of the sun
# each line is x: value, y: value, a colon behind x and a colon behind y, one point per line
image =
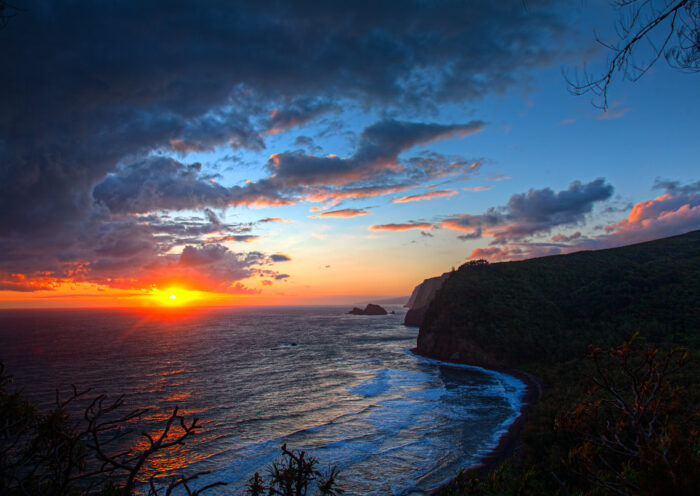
x: 174, y: 297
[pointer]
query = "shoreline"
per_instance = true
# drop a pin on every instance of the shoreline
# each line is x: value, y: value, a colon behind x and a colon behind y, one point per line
x: 510, y: 440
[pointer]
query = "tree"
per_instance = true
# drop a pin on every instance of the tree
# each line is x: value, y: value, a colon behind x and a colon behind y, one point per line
x: 55, y: 454
x: 292, y: 475
x: 646, y: 31
x: 633, y: 435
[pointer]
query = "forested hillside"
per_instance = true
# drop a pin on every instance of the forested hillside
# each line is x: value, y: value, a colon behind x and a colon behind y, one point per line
x: 550, y: 309
x: 614, y: 336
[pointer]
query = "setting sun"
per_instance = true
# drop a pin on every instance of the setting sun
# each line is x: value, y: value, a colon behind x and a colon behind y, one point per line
x: 175, y: 297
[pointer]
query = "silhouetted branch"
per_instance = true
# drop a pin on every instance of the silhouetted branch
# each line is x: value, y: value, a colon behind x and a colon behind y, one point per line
x: 7, y: 12
x: 52, y: 454
x: 641, y: 20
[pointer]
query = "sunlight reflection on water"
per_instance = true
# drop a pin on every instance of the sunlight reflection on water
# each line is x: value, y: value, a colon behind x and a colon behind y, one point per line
x: 349, y: 391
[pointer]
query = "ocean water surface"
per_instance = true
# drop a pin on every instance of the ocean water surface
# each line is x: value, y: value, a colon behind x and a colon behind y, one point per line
x: 344, y: 388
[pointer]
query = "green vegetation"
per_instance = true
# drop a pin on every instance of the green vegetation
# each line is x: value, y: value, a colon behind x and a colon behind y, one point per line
x: 614, y: 418
x: 551, y: 309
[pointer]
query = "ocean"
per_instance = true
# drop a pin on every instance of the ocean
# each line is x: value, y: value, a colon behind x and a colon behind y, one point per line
x: 344, y: 388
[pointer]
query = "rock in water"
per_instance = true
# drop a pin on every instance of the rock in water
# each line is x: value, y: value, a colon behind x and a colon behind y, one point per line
x: 373, y: 309
x: 370, y: 309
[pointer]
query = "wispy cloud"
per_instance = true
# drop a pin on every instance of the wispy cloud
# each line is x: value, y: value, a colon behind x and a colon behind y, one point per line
x: 346, y: 212
x: 425, y: 196
x: 533, y: 212
x: 275, y: 219
x: 615, y: 112
x: 402, y: 227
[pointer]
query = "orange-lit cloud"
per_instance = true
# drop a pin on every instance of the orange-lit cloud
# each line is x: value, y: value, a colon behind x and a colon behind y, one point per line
x: 492, y: 254
x: 535, y: 211
x: 675, y: 212
x: 477, y: 189
x: 402, y: 227
x: 325, y: 194
x: 425, y: 196
x: 561, y: 238
x: 665, y: 215
x: 459, y: 223
x: 275, y: 219
x: 29, y: 282
x: 346, y: 212
x: 236, y: 238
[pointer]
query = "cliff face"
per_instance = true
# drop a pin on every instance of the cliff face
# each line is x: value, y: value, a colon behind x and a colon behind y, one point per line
x: 421, y: 297
x: 552, y: 308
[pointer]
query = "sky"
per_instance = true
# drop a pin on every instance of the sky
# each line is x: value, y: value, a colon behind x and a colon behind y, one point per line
x: 277, y: 153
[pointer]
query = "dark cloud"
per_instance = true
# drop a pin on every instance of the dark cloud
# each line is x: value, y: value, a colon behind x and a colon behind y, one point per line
x: 92, y: 84
x: 298, y: 112
x: 476, y: 234
x: 675, y: 212
x: 377, y: 151
x: 280, y: 257
x: 163, y: 183
x: 536, y: 211
x: 213, y: 218
x: 562, y: 238
x: 95, y: 91
x: 159, y: 183
x: 426, y: 234
x: 307, y: 142
x: 676, y: 188
x: 275, y: 219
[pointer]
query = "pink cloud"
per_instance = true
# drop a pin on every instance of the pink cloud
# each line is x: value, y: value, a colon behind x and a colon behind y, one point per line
x: 402, y: 227
x: 327, y: 194
x: 425, y: 196
x: 344, y: 213
x: 675, y: 212
x: 561, y: 238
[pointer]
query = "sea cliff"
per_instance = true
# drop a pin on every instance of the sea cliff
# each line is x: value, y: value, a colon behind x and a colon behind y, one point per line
x: 560, y: 321
x: 420, y: 299
x: 552, y: 308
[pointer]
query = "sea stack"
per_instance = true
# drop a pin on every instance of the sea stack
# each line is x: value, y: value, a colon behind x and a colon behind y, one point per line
x: 370, y: 309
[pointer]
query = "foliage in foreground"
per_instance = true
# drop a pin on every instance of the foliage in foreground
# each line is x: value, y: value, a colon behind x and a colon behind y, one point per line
x: 624, y: 420
x: 56, y: 454
x: 292, y: 475
x: 632, y: 429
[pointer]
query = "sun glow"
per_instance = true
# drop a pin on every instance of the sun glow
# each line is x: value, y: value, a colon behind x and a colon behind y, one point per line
x: 175, y: 297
